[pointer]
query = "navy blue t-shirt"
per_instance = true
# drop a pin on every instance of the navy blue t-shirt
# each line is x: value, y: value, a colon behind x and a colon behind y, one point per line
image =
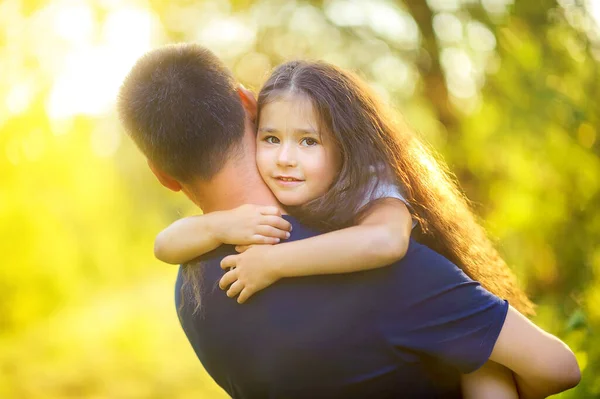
x: 405, y: 330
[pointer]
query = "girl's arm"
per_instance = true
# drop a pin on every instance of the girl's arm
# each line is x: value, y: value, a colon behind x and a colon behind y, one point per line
x: 193, y: 236
x: 380, y: 238
x: 542, y: 364
x: 490, y: 381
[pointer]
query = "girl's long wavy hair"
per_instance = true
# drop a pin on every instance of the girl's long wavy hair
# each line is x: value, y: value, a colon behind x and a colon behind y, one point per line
x: 369, y: 136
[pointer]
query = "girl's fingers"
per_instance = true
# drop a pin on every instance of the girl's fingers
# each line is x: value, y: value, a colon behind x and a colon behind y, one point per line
x: 228, y: 262
x: 228, y: 279
x: 269, y: 231
x: 260, y: 239
x: 277, y: 222
x: 244, y: 295
x: 242, y: 248
x: 235, y: 289
x: 270, y: 210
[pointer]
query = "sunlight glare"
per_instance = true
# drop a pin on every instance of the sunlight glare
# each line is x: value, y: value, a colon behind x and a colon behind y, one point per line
x: 19, y: 97
x: 228, y: 37
x: 394, y: 24
x: 594, y: 10
x: 346, y: 13
x: 91, y: 76
x: 74, y: 23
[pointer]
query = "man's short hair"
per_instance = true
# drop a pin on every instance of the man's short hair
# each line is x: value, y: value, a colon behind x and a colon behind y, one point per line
x: 180, y: 105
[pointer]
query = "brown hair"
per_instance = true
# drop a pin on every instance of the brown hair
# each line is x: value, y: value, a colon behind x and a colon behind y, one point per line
x: 180, y: 105
x: 369, y: 135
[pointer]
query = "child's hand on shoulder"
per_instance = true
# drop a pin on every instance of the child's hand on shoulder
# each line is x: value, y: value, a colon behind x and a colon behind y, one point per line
x: 251, y: 224
x: 249, y: 272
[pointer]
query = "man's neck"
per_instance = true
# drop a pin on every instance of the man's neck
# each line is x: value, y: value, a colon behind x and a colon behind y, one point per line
x: 236, y: 184
x: 232, y: 188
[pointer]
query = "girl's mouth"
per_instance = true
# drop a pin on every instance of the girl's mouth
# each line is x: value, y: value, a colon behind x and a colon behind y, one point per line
x: 287, y: 181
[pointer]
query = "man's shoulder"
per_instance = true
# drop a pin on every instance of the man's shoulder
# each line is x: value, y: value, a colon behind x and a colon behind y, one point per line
x: 428, y: 264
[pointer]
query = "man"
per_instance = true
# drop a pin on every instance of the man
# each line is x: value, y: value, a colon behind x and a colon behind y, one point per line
x: 406, y: 330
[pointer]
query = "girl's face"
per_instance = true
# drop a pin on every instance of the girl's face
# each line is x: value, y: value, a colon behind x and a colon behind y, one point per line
x: 297, y: 161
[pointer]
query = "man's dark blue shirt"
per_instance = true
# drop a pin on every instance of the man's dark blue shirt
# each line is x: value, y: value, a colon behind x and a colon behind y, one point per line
x: 405, y: 330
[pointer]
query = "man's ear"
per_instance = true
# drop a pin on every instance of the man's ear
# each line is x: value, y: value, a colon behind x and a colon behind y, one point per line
x: 164, y: 178
x: 248, y: 101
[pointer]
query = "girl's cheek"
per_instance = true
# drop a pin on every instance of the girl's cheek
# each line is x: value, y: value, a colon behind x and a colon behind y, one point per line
x: 263, y: 161
x: 267, y: 155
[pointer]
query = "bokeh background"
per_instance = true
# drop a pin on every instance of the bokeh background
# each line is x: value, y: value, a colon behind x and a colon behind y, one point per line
x: 508, y: 91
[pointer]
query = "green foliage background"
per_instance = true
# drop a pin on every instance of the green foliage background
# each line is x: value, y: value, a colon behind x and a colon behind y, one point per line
x: 508, y: 92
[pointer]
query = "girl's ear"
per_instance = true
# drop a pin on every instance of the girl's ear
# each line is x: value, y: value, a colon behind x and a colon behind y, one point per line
x: 164, y: 178
x: 248, y: 101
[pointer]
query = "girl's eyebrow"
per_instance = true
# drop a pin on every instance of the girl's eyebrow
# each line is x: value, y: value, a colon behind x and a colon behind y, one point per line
x: 308, y: 131
x: 302, y: 130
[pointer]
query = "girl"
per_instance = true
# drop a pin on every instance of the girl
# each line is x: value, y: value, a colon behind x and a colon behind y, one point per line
x: 336, y: 160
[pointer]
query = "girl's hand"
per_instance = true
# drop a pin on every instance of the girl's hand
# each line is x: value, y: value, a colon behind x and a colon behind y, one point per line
x: 251, y: 224
x: 249, y: 272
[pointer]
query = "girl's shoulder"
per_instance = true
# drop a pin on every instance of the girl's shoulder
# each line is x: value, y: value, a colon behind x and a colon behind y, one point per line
x: 382, y: 185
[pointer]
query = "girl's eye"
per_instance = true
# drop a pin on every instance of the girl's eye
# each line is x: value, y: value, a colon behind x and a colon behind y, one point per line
x: 271, y: 140
x: 309, y: 142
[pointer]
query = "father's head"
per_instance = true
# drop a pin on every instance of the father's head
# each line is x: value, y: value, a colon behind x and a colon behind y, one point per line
x: 186, y: 113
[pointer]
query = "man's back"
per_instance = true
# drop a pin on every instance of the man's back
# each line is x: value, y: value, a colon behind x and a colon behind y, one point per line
x: 399, y: 331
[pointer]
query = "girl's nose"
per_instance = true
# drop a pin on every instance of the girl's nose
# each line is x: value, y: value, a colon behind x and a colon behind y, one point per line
x: 286, y: 157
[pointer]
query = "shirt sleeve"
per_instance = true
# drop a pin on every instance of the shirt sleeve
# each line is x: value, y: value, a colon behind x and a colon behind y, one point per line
x: 388, y: 190
x: 384, y: 189
x: 438, y: 310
